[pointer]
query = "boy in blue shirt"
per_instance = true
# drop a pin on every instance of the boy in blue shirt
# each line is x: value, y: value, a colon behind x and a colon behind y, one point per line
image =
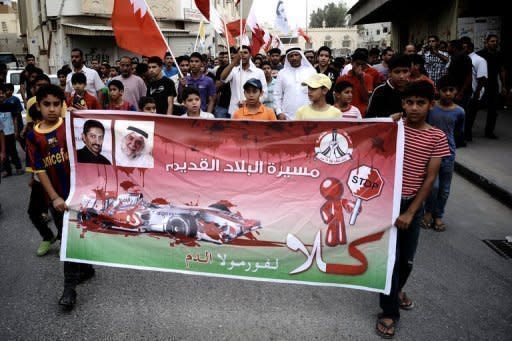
x: 449, y: 117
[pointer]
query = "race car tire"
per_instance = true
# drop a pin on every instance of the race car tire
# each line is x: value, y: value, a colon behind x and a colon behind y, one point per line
x: 184, y: 225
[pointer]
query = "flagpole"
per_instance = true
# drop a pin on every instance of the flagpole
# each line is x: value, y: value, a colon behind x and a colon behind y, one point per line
x: 197, y: 38
x: 163, y: 37
x: 240, y: 47
x: 227, y: 40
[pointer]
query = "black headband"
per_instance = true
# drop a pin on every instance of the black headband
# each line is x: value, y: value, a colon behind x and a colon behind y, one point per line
x: 293, y: 49
x: 137, y: 130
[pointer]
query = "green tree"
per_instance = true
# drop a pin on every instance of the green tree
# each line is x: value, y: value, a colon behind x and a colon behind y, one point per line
x: 333, y: 14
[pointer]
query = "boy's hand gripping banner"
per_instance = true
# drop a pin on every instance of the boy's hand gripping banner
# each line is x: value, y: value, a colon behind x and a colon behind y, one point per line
x: 298, y: 202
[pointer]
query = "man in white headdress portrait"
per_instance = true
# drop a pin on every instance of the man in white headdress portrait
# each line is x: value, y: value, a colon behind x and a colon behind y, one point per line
x: 134, y: 149
x: 289, y: 93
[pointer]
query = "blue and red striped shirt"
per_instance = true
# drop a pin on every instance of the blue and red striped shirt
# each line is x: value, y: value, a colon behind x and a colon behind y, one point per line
x: 47, y: 152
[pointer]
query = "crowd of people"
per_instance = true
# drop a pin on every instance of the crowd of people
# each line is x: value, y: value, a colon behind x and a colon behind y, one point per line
x: 436, y: 93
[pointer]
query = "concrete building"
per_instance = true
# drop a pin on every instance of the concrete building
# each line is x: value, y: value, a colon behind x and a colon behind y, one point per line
x: 342, y: 40
x: 10, y: 40
x: 374, y: 35
x: 54, y: 27
x: 446, y: 19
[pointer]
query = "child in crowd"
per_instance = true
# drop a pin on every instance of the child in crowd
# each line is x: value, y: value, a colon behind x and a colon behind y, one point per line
x: 424, y: 148
x: 47, y: 156
x: 147, y: 104
x: 253, y: 109
x: 8, y: 117
x: 386, y: 99
x: 318, y: 87
x: 38, y: 202
x: 116, y: 102
x: 10, y: 98
x: 343, y: 97
x: 80, y: 99
x: 192, y: 102
x: 449, y: 117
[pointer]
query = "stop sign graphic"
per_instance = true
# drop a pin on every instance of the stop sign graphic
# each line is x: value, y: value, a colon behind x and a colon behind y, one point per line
x: 365, y: 183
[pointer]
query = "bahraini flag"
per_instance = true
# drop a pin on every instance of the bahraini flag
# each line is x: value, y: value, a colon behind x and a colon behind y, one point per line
x: 136, y: 30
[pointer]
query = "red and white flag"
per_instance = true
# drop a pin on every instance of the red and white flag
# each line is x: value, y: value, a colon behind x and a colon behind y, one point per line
x: 136, y: 29
x: 303, y: 34
x: 233, y: 30
x: 259, y: 36
x: 204, y: 7
x: 210, y: 14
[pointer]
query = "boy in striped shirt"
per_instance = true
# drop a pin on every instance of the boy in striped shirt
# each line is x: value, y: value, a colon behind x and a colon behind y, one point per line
x: 343, y: 100
x: 424, y: 148
x: 47, y: 156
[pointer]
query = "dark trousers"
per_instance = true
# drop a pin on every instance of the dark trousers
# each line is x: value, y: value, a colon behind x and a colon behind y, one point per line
x: 493, y: 98
x: 406, y: 244
x: 72, y: 271
x: 11, y: 154
x: 36, y: 207
x: 470, y: 118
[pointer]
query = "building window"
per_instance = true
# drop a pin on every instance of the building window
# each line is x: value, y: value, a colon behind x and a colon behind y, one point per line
x: 4, y: 27
x: 384, y: 30
x: 328, y: 43
x: 289, y: 40
x: 378, y: 32
x: 345, y: 43
x: 309, y: 46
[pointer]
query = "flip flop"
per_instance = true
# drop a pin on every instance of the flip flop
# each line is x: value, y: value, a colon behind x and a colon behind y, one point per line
x: 404, y: 305
x: 387, y: 334
x: 427, y: 224
x: 439, y: 227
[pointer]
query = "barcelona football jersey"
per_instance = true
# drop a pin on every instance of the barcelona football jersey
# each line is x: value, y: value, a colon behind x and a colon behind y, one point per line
x: 47, y: 152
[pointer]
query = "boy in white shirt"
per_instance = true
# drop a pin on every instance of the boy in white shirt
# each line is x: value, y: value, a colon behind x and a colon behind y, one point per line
x: 192, y: 102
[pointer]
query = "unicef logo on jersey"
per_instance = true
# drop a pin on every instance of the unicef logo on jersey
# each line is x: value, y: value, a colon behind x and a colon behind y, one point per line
x: 333, y: 147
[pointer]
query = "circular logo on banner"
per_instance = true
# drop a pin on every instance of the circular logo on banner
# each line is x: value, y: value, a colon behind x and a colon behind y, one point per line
x: 333, y: 147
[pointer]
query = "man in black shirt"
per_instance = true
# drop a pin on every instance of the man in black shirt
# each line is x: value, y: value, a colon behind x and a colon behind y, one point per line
x: 324, y: 66
x: 92, y: 135
x: 223, y: 89
x: 386, y: 99
x: 495, y: 74
x: 161, y: 88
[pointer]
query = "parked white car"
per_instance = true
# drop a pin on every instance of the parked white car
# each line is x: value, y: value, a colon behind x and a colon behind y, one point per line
x: 13, y: 76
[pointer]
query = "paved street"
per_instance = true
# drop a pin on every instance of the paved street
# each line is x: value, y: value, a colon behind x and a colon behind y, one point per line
x: 462, y: 289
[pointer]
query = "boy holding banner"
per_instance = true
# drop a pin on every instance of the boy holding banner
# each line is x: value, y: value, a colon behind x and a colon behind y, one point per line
x: 48, y: 157
x: 424, y: 147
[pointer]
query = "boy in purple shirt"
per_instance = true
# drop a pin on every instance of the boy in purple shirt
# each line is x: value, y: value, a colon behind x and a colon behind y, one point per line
x: 205, y: 85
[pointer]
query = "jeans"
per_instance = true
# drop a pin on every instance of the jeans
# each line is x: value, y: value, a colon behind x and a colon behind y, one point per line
x: 72, y: 271
x: 406, y: 244
x: 36, y: 207
x: 436, y: 202
x: 11, y: 154
x: 221, y: 112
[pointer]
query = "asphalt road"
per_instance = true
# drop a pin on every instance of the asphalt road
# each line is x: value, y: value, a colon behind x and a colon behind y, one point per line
x: 462, y: 290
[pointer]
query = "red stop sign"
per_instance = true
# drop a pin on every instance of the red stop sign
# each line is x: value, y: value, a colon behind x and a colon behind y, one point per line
x: 365, y: 182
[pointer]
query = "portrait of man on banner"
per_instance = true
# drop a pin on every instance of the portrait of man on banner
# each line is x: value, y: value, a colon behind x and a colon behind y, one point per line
x: 94, y: 141
x: 134, y: 144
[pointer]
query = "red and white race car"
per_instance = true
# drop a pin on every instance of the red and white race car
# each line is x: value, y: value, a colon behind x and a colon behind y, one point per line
x: 130, y: 212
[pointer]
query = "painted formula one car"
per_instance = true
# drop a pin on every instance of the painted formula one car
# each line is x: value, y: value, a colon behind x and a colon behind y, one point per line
x: 130, y: 212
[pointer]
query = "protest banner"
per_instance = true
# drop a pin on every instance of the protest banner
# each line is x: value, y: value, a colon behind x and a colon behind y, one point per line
x: 267, y: 201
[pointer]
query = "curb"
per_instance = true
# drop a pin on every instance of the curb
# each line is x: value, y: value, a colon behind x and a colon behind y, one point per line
x: 498, y: 193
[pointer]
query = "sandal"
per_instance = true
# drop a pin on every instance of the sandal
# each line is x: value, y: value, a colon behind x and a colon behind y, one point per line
x: 427, y: 224
x: 439, y: 227
x: 405, y: 302
x: 389, y: 328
